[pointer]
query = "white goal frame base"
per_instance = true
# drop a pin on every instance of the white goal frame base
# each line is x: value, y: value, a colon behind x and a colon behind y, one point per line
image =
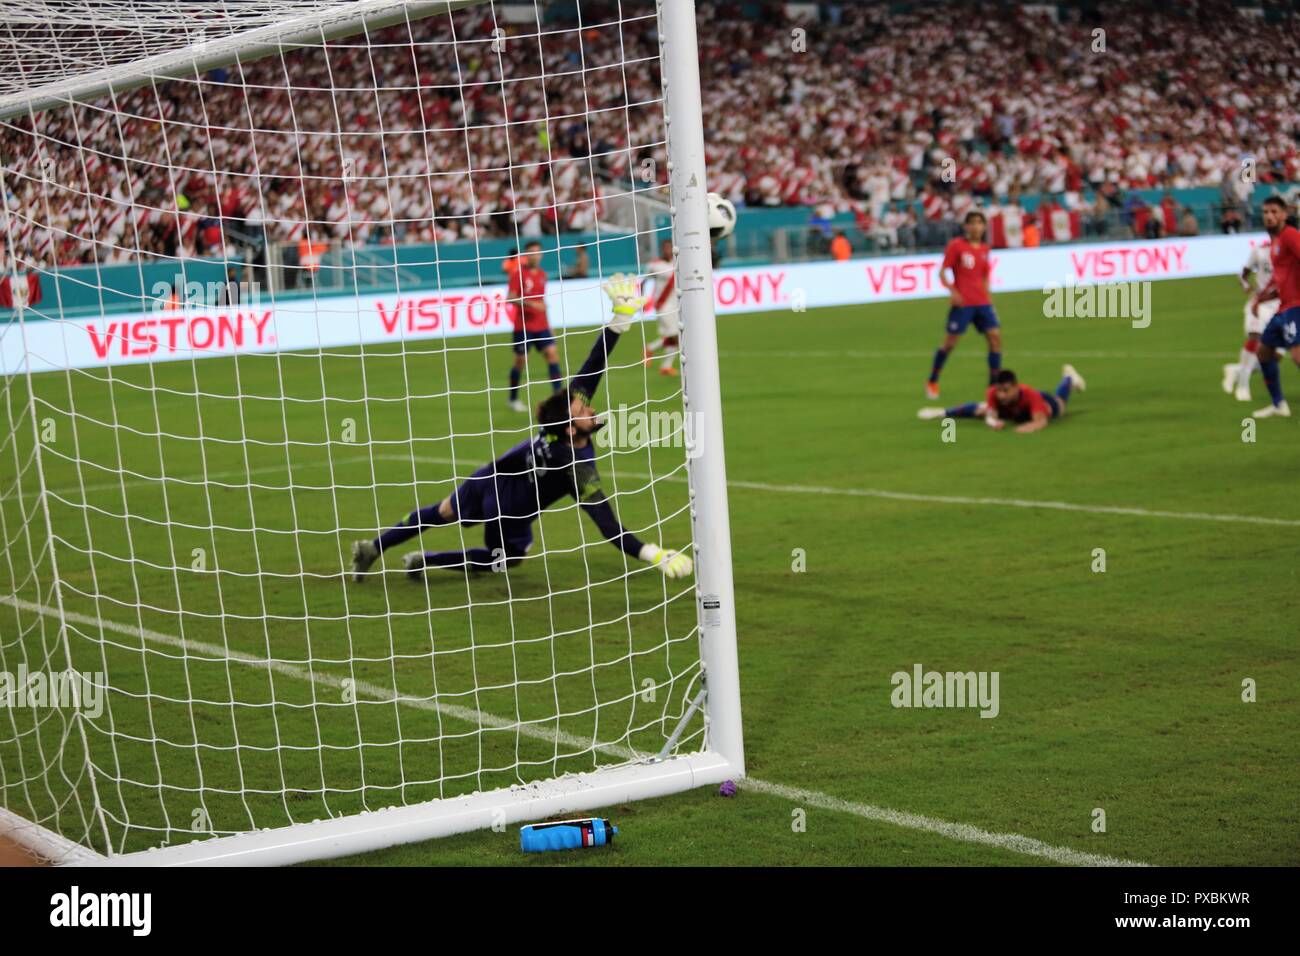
x: 377, y: 829
x: 45, y: 844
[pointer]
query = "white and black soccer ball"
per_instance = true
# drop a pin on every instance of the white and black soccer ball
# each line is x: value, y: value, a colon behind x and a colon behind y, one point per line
x: 722, y: 217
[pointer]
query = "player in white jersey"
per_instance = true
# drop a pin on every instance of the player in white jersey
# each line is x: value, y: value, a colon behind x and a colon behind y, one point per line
x: 667, y: 306
x: 1261, y: 305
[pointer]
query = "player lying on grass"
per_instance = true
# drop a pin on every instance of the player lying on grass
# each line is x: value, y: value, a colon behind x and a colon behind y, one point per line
x: 967, y: 258
x: 1008, y: 401
x: 1282, y: 333
x: 507, y: 495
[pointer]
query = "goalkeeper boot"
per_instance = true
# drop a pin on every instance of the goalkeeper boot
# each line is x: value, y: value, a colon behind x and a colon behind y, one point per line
x: 517, y: 406
x: 364, y: 554
x: 413, y: 561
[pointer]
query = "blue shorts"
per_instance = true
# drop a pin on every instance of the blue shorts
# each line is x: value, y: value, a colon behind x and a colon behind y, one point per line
x: 513, y: 536
x: 960, y: 316
x: 475, y: 502
x: 521, y: 341
x: 1053, y: 402
x: 1283, y: 330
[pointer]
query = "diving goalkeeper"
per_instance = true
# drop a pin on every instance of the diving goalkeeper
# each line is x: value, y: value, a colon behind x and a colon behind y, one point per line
x: 507, y: 495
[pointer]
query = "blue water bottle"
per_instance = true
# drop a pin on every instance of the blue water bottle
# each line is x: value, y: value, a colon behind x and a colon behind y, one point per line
x: 566, y: 835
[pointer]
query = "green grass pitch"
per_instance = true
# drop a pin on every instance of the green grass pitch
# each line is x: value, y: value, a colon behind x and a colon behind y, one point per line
x: 1119, y: 691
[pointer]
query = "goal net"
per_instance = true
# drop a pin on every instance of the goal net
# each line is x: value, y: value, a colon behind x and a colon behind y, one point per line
x: 260, y: 266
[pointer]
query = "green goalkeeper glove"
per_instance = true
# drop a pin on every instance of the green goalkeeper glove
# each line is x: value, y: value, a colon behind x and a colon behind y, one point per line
x: 673, y: 564
x: 628, y: 301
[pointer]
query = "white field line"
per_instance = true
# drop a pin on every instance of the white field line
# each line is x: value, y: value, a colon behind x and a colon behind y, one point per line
x: 1017, y: 503
x: 184, y: 479
x: 203, y: 650
x: 976, y: 352
x: 943, y: 499
x: 961, y: 832
x: 881, y: 493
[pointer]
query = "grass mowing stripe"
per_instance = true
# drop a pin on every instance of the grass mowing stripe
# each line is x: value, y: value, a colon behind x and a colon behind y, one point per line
x: 963, y: 832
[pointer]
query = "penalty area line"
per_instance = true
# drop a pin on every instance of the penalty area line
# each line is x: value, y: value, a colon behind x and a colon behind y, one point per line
x: 1066, y: 355
x: 1019, y: 503
x: 1121, y: 510
x: 960, y: 832
x: 881, y: 493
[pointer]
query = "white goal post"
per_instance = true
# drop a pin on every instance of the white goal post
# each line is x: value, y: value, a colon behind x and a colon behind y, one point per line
x: 179, y: 484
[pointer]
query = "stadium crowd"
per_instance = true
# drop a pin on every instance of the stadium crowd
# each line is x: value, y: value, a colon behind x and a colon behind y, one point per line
x: 905, y: 118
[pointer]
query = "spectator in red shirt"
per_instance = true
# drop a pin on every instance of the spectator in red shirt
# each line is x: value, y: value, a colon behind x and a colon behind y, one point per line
x: 1031, y: 237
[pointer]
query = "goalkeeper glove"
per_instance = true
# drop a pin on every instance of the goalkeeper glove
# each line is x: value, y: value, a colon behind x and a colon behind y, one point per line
x: 673, y: 564
x: 628, y: 301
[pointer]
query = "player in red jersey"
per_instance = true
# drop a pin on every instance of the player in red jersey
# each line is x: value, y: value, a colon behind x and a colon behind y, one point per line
x: 967, y: 258
x: 1283, y: 330
x: 526, y: 295
x: 1029, y: 409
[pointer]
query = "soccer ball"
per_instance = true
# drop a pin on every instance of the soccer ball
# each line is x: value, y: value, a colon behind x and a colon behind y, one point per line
x: 722, y: 217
